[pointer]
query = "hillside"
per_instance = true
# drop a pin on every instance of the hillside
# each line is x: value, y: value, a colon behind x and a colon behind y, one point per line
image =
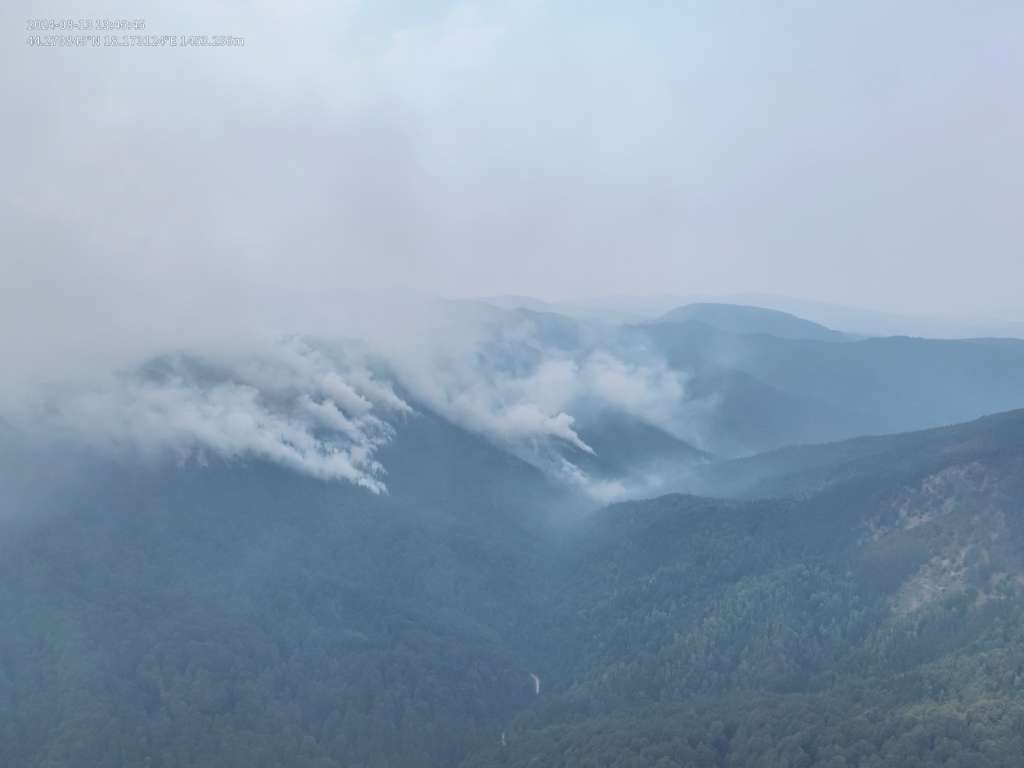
x: 240, y: 613
x: 243, y: 612
x: 877, y: 622
x: 806, y: 469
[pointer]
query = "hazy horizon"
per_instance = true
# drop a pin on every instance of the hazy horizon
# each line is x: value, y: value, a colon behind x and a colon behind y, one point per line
x: 861, y: 154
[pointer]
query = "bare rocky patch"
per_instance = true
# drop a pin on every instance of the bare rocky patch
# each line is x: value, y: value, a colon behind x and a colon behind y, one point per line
x: 958, y: 516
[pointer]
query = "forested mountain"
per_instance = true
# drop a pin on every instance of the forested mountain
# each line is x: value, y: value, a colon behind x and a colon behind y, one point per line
x: 244, y: 614
x: 334, y: 554
x: 876, y: 622
x: 240, y: 613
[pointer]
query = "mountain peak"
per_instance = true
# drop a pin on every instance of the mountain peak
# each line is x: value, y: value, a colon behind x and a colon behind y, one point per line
x: 743, y: 319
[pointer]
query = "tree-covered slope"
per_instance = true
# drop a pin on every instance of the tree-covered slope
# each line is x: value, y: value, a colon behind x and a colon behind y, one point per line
x: 876, y: 622
x: 804, y: 469
x: 241, y: 614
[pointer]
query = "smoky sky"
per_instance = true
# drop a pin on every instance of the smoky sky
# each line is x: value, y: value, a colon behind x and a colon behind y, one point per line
x: 868, y: 153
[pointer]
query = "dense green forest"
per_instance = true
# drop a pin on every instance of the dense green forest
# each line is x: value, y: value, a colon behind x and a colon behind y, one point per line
x: 239, y: 614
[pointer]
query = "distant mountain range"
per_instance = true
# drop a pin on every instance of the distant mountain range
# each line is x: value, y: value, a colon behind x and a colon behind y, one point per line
x: 824, y: 390
x: 736, y: 318
x: 852, y: 320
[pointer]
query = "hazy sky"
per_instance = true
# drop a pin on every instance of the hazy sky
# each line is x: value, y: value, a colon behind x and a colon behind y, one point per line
x: 869, y: 153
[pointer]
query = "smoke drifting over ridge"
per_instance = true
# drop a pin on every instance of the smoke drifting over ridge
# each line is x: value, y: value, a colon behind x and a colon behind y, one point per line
x: 326, y: 406
x: 291, y: 407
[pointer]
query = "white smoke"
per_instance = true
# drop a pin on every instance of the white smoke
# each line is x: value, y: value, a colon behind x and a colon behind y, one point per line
x: 291, y: 406
x: 522, y: 384
x: 326, y: 407
x: 649, y: 390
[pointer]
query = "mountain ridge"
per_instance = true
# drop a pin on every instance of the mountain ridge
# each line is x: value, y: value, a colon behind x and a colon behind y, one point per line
x: 739, y: 318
